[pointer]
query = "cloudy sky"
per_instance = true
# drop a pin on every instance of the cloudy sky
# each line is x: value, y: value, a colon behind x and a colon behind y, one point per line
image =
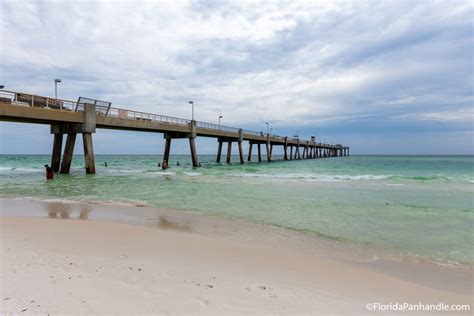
x: 383, y: 77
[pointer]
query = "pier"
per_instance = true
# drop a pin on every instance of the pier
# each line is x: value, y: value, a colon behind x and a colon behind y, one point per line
x: 69, y: 118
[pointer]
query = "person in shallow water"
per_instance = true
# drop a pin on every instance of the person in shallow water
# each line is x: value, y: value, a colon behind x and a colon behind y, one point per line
x: 159, y: 164
x: 164, y: 166
x: 105, y: 164
x: 49, y: 172
x: 177, y: 163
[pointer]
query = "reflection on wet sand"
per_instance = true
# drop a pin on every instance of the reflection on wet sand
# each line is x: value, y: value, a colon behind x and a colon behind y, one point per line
x: 63, y: 211
x: 165, y: 223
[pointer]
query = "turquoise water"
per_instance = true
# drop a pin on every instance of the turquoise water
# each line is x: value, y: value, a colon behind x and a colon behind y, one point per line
x: 417, y: 206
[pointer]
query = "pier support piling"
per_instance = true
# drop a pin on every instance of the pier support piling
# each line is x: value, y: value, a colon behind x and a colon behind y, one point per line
x: 259, y: 150
x: 249, y: 158
x: 166, y: 155
x: 88, y: 153
x: 192, y: 147
x: 68, y: 151
x: 229, y: 151
x: 219, y: 151
x: 56, y: 156
x: 241, y: 152
x: 269, y: 155
x: 291, y: 152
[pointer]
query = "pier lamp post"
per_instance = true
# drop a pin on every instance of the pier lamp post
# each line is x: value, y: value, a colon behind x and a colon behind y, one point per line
x: 2, y: 86
x: 268, y: 128
x: 220, y: 117
x: 56, y: 81
x: 192, y: 104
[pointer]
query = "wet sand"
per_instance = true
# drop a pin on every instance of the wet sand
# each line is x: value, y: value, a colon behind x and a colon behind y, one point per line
x: 90, y: 258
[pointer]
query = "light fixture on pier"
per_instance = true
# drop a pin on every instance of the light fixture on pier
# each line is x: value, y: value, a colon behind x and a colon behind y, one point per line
x: 2, y: 86
x: 220, y: 117
x: 268, y: 127
x: 192, y: 103
x: 56, y: 81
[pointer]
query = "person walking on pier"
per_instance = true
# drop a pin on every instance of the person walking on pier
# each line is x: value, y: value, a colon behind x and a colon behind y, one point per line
x: 49, y: 172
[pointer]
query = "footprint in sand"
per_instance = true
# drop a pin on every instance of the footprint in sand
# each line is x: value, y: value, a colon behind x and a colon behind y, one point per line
x: 209, y: 286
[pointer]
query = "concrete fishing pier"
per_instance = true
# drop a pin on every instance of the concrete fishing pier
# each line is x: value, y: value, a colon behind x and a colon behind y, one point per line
x: 84, y: 116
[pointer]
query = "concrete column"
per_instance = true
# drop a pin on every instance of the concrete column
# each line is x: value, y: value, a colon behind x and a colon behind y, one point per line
x: 241, y: 152
x: 68, y: 151
x: 229, y: 151
x: 259, y: 149
x: 88, y: 153
x: 285, y: 147
x: 271, y: 150
x: 56, y: 156
x: 219, y: 151
x: 192, y: 147
x: 249, y: 158
x: 269, y: 155
x: 166, y: 155
x: 291, y: 152
x: 297, y: 153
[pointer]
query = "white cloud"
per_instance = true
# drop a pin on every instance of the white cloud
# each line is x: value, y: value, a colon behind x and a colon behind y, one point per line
x: 293, y: 63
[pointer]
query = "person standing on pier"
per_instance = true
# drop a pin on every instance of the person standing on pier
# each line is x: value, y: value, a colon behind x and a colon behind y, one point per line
x: 49, y: 172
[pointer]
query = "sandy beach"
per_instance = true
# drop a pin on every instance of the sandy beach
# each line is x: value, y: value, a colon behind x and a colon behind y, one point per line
x: 54, y: 265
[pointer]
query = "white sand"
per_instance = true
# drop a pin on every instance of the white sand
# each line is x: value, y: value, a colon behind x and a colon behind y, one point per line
x: 71, y: 266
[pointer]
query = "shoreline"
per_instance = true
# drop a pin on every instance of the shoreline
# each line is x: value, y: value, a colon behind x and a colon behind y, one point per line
x: 138, y: 213
x: 294, y: 272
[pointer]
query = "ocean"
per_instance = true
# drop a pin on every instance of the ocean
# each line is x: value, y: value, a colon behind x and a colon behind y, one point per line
x: 419, y: 207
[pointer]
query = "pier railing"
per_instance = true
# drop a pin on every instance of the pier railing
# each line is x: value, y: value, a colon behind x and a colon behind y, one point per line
x: 31, y: 100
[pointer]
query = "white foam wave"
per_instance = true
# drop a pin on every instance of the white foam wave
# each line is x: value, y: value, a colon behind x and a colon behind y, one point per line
x: 310, y: 176
x: 20, y: 169
x: 80, y: 201
x: 50, y: 200
x: 192, y: 174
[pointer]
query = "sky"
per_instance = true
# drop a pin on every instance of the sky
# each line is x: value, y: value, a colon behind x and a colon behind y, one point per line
x: 383, y: 77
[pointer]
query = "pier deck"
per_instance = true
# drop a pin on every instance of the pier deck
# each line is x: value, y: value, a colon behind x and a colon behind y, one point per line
x: 85, y: 115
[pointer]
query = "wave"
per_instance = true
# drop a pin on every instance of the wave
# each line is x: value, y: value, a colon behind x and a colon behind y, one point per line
x: 21, y: 169
x: 345, y: 177
x: 79, y: 200
x: 192, y: 174
x: 309, y: 176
